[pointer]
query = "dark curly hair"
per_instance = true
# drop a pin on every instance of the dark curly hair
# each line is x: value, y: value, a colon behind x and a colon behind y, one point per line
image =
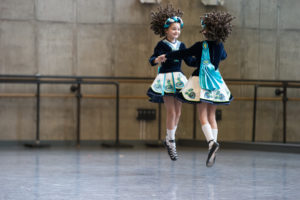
x: 159, y: 18
x: 216, y: 25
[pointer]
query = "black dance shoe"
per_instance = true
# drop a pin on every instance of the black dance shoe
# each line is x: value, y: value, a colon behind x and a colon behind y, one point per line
x: 211, y: 158
x: 171, y: 147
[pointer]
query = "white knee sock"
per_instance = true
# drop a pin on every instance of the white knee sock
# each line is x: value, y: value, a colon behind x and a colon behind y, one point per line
x: 215, y: 134
x: 206, y: 128
x: 170, y: 134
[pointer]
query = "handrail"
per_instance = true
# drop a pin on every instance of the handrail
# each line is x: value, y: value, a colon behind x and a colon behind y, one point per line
x: 94, y: 96
x: 76, y: 80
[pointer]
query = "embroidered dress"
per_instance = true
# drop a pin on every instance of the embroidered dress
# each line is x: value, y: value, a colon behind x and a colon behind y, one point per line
x: 166, y: 84
x: 209, y: 86
x: 169, y: 83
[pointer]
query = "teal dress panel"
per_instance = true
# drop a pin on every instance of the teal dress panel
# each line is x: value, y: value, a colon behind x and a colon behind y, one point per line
x: 209, y: 78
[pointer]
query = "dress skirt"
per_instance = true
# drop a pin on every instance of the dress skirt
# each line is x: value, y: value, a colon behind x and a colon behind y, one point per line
x: 166, y: 84
x: 193, y: 93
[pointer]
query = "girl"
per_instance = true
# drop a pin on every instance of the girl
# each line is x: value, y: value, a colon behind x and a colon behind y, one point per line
x: 206, y: 87
x: 167, y: 23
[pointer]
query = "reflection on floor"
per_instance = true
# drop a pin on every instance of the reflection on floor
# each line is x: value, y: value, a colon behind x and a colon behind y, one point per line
x: 146, y: 173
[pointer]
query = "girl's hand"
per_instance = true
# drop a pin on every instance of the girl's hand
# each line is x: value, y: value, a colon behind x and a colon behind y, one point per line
x: 162, y: 58
x: 156, y: 60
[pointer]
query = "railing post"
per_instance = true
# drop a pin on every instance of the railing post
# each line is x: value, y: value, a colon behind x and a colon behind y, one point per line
x: 284, y: 101
x: 78, y: 96
x: 254, y: 113
x: 117, y: 114
x: 117, y: 143
x: 37, y: 143
x: 38, y: 97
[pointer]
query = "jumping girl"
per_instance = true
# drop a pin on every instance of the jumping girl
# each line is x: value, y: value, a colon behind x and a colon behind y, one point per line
x: 166, y: 22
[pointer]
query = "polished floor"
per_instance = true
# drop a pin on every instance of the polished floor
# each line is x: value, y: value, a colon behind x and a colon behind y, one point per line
x: 146, y: 173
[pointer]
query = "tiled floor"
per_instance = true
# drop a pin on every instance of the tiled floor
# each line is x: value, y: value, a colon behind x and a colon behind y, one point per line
x: 146, y: 173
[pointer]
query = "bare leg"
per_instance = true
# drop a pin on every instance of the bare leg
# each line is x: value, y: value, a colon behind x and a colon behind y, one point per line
x: 202, y: 113
x: 178, y: 106
x: 171, y: 113
x: 212, y: 120
x: 212, y: 116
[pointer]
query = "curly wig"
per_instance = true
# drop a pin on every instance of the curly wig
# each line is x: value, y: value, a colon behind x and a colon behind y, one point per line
x: 159, y: 18
x: 216, y: 25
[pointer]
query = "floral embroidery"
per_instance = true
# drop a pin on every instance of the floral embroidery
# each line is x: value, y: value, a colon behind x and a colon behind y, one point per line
x: 191, y: 93
x: 157, y: 86
x: 219, y: 95
x: 216, y: 95
x: 179, y: 83
x: 169, y: 86
x: 208, y: 95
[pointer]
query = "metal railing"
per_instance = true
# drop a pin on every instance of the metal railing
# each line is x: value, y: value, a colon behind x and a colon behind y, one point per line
x: 79, y: 80
x: 279, y: 84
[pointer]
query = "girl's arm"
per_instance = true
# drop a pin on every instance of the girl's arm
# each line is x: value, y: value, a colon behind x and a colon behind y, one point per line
x: 154, y: 60
x: 223, y: 52
x: 189, y: 60
x: 184, y: 53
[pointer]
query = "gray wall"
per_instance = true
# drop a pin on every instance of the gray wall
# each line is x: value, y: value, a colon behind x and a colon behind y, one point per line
x: 112, y: 38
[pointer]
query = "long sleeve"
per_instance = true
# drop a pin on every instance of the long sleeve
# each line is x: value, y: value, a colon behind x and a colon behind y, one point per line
x: 157, y: 52
x: 223, y: 53
x: 218, y: 53
x: 184, y: 53
x: 189, y: 60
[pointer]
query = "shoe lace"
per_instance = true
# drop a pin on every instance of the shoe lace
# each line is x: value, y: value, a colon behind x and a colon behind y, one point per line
x: 172, y: 148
